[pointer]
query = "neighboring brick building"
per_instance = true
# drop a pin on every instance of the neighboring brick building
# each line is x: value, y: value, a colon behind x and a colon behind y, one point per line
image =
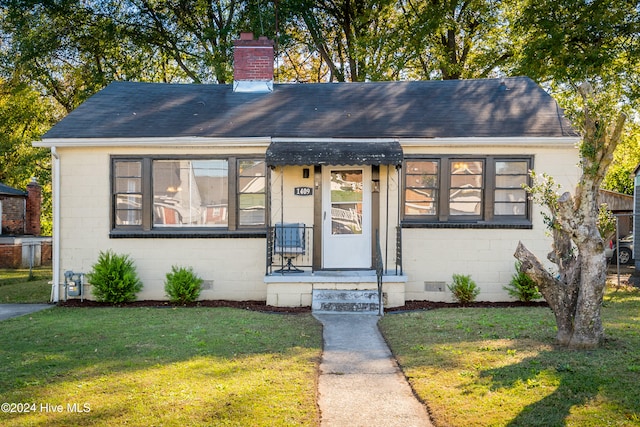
x: 20, y: 240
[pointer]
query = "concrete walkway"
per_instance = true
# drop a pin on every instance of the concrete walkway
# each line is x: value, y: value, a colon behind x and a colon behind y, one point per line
x: 8, y: 311
x: 360, y: 383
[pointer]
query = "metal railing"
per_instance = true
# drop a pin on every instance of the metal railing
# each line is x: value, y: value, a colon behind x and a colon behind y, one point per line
x: 289, y: 248
x: 292, y: 252
x: 379, y: 273
x: 398, y: 250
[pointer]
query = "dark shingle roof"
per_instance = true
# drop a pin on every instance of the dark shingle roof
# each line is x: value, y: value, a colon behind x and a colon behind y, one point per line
x: 420, y: 109
x: 5, y: 190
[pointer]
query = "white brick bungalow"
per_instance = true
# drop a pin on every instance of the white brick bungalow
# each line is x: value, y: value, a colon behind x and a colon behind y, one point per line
x: 202, y: 176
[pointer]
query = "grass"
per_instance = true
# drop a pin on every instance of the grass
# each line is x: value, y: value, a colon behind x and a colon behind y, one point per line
x: 160, y: 366
x: 499, y: 367
x: 229, y: 367
x: 16, y: 287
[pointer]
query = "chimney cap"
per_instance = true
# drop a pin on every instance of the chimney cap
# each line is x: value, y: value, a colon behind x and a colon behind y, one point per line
x: 247, y: 40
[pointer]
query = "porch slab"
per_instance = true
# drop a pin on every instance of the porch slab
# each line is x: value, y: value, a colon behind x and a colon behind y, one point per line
x: 296, y: 289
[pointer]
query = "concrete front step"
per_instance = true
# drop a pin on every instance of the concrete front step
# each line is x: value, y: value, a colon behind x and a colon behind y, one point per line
x: 345, y: 301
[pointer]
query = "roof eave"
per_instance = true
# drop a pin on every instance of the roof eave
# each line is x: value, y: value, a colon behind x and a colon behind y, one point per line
x: 512, y: 141
x: 154, y: 142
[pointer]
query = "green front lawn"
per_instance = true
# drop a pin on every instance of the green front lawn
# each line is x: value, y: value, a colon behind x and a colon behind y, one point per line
x: 499, y: 367
x: 17, y: 287
x: 159, y: 366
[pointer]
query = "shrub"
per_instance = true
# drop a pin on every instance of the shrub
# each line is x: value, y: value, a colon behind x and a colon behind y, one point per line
x: 114, y: 278
x: 182, y: 285
x: 522, y: 286
x: 464, y: 289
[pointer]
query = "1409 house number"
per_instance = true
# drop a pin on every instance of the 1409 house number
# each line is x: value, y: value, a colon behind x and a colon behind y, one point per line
x: 303, y: 191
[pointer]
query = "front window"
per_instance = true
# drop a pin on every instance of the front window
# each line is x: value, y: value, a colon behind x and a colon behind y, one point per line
x: 510, y: 195
x: 165, y: 194
x: 190, y: 193
x: 421, y: 191
x: 486, y: 191
x: 128, y: 193
x: 465, y: 190
x: 252, y: 192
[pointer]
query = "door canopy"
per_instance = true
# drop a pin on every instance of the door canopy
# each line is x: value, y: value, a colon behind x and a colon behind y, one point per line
x: 334, y: 152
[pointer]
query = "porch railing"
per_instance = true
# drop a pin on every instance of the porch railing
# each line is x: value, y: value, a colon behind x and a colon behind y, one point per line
x: 289, y: 248
x: 379, y: 273
x: 399, y: 251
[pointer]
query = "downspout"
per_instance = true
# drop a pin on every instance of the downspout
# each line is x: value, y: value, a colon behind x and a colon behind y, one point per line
x: 56, y: 225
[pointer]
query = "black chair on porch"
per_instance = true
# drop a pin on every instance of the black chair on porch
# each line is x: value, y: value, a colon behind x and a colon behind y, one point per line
x: 289, y: 242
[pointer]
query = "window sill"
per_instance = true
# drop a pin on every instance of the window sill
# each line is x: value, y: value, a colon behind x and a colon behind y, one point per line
x: 188, y: 234
x: 523, y: 225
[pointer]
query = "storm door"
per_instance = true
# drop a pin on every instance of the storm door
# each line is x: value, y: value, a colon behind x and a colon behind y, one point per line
x: 346, y: 217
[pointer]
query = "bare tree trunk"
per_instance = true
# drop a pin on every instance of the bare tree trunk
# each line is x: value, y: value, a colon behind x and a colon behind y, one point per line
x: 588, y: 331
x: 560, y: 296
x: 575, y: 295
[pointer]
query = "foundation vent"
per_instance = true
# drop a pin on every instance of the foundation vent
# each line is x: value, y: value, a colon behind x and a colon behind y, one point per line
x: 435, y: 286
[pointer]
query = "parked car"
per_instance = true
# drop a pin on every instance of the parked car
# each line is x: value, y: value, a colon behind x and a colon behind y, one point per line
x: 626, y: 249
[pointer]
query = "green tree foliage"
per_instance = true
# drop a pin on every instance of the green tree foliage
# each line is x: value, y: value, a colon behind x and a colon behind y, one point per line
x: 24, y: 117
x: 625, y: 159
x: 67, y: 50
x: 457, y: 39
x: 356, y: 40
x: 574, y: 40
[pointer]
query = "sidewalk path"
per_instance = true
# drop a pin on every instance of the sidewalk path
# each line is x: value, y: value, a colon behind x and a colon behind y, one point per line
x: 14, y: 310
x: 360, y: 383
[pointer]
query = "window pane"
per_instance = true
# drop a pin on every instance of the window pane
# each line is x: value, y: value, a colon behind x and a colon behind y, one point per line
x: 465, y: 194
x: 422, y: 181
x: 252, y: 186
x: 190, y: 193
x: 346, y: 202
x: 511, y: 196
x: 421, y: 188
x: 510, y: 181
x: 251, y: 201
x: 414, y: 195
x: 128, y: 168
x: 421, y: 202
x: 466, y: 181
x: 127, y: 217
x: 465, y: 202
x: 128, y: 185
x: 512, y: 168
x: 422, y: 167
x: 127, y: 189
x: 251, y: 167
x: 461, y: 167
x: 510, y: 209
x: 128, y: 209
x: 253, y: 216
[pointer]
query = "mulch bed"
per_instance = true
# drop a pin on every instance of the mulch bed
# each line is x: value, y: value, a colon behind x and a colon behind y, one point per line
x: 263, y: 307
x: 245, y: 305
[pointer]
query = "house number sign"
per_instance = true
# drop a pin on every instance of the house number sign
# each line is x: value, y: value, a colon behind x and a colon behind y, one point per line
x: 303, y: 191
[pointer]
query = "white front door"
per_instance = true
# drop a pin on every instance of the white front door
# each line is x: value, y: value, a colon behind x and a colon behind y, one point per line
x: 346, y: 213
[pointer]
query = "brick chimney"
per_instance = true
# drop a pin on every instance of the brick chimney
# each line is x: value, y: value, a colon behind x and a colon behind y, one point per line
x: 33, y: 208
x: 252, y: 64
